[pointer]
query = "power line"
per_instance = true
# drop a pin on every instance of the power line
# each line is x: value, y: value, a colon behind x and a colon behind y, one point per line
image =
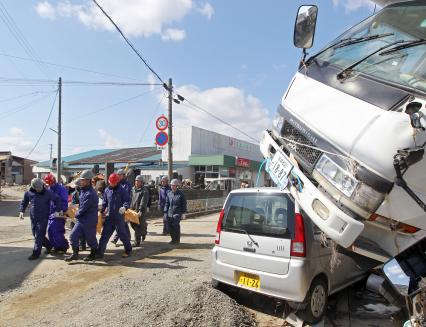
x: 110, y: 106
x: 129, y: 43
x: 69, y: 67
x: 20, y: 96
x: 152, y: 117
x: 20, y: 37
x: 23, y: 107
x: 30, y: 81
x: 45, y: 125
x: 196, y: 107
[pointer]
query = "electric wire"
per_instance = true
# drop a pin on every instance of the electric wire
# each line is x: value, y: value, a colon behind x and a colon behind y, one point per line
x: 109, y: 106
x: 20, y: 37
x: 69, y: 67
x: 32, y: 81
x: 45, y: 125
x: 20, y: 96
x: 24, y: 106
x: 129, y: 43
x: 197, y: 107
x: 152, y: 117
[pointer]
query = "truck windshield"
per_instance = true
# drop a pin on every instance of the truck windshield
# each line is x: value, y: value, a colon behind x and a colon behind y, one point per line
x: 405, y: 65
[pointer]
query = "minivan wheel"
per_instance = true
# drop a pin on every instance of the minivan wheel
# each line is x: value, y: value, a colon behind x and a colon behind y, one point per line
x: 316, y: 301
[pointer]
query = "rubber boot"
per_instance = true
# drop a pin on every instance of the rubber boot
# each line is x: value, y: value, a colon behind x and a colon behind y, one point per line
x: 73, y: 256
x: 91, y: 256
x: 33, y: 257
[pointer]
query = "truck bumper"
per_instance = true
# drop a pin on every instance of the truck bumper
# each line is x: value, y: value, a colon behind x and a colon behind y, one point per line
x: 340, y: 227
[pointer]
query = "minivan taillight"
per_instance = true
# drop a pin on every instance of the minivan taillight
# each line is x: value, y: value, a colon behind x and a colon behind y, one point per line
x: 298, y: 243
x: 219, y: 226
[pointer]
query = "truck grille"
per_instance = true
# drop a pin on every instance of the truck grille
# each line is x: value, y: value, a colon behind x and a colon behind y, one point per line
x: 308, y: 154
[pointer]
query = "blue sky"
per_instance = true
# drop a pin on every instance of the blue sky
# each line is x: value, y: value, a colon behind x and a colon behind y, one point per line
x: 232, y: 58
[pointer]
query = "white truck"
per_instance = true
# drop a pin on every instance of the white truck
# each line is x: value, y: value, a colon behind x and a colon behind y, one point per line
x: 349, y: 134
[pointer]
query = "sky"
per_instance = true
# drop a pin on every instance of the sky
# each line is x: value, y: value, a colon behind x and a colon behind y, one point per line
x: 233, y: 59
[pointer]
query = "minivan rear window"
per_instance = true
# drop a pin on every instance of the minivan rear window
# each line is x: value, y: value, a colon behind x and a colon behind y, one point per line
x: 260, y: 214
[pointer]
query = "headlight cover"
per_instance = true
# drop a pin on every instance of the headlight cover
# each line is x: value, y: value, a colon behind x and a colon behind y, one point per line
x: 367, y: 198
x: 358, y: 193
x: 336, y: 175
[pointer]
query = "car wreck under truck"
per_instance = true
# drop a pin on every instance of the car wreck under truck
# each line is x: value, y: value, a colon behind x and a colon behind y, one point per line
x: 349, y: 134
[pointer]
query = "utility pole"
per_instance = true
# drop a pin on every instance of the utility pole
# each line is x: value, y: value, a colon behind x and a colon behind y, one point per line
x: 51, y: 148
x: 170, y: 143
x: 59, y: 159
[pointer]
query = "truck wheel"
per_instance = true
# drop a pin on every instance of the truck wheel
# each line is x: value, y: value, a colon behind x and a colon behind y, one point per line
x: 316, y: 302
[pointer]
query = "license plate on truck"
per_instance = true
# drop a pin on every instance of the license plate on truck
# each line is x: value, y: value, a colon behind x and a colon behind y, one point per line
x: 279, y: 169
x: 248, y: 280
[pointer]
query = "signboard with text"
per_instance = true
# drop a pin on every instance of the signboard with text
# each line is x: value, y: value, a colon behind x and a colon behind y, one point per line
x: 242, y: 162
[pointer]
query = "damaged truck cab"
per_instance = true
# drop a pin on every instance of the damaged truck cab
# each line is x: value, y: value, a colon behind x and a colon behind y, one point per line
x: 350, y: 130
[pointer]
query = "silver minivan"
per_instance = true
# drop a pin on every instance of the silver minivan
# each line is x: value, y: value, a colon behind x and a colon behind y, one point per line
x: 265, y: 244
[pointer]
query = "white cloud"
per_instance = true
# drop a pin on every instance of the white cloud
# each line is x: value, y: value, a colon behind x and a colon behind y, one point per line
x: 207, y: 10
x: 109, y: 140
x: 173, y: 34
x: 352, y: 5
x: 135, y: 17
x: 16, y: 142
x: 45, y: 10
x: 231, y: 104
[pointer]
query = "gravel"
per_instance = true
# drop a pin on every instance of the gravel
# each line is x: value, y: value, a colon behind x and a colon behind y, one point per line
x: 159, y: 285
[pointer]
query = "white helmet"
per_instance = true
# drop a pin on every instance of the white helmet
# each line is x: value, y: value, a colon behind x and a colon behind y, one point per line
x: 175, y: 182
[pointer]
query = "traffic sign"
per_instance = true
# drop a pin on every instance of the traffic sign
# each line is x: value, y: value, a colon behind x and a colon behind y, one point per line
x: 161, y: 138
x: 162, y: 123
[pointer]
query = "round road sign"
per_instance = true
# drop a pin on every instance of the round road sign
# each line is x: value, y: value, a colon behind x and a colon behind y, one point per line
x: 162, y: 123
x: 161, y: 138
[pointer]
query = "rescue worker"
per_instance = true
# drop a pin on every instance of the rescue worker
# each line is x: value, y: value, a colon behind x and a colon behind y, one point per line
x: 175, y: 207
x: 125, y: 184
x: 115, y: 203
x: 40, y: 199
x: 162, y: 195
x: 140, y: 197
x: 56, y: 225
x: 75, y: 201
x: 87, y: 218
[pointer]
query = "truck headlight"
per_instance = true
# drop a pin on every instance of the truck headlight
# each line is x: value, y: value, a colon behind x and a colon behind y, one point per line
x: 336, y: 175
x: 278, y: 123
x: 360, y: 197
x: 367, y: 198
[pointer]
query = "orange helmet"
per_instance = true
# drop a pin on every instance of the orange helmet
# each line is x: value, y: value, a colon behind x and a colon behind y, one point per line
x: 113, y: 179
x: 50, y: 179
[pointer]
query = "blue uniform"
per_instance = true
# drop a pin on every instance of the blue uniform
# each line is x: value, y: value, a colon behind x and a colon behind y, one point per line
x: 174, y: 208
x: 87, y: 218
x: 113, y: 200
x: 126, y: 186
x: 56, y: 226
x: 164, y: 190
x: 39, y: 214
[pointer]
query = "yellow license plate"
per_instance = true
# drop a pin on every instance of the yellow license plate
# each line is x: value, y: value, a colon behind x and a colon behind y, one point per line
x: 248, y: 280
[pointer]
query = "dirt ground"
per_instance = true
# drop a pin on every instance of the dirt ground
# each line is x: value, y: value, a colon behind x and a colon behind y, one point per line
x: 159, y: 285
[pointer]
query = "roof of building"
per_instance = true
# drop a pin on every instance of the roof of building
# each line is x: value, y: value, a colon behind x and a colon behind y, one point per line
x: 77, y: 157
x: 128, y: 155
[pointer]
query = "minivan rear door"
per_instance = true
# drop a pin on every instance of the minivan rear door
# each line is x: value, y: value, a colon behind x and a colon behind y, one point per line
x: 256, y: 232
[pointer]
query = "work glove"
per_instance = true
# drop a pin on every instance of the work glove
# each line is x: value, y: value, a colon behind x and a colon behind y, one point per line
x: 59, y: 214
x: 21, y: 215
x: 122, y: 210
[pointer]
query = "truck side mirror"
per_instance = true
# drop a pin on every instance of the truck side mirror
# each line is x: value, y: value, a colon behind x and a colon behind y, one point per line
x: 304, y: 27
